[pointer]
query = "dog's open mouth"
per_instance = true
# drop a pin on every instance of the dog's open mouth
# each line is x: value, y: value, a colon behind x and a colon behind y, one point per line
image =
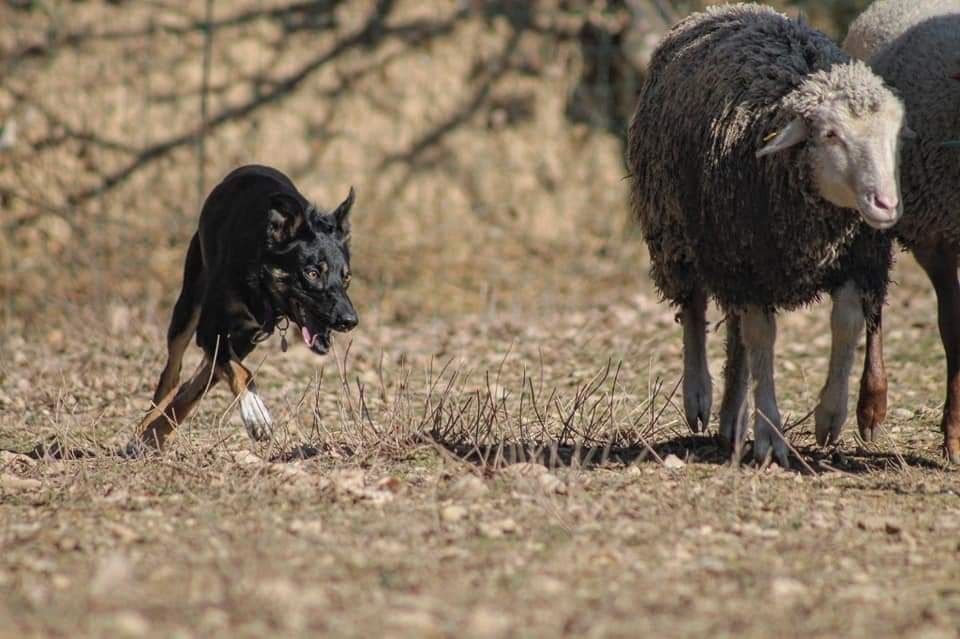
x: 319, y: 342
x: 315, y: 336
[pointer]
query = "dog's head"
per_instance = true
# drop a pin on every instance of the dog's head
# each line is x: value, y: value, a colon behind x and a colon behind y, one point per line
x: 306, y: 267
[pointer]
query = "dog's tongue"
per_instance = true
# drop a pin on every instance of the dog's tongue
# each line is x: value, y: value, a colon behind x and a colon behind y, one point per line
x: 307, y: 337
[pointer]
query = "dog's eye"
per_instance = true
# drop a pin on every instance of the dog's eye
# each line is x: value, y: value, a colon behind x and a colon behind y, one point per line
x: 312, y: 274
x: 346, y: 279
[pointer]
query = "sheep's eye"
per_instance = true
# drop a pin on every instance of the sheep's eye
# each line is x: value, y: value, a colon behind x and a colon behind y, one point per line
x: 830, y: 134
x: 312, y: 274
x: 346, y: 279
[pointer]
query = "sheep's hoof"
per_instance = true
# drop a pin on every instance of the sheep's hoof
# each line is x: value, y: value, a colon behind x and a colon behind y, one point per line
x: 829, y: 423
x: 768, y: 441
x: 731, y: 436
x: 871, y: 411
x: 697, y: 398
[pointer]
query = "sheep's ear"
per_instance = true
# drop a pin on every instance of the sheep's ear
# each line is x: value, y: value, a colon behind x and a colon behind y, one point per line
x: 342, y: 214
x: 794, y: 133
x: 907, y: 133
x: 284, y: 218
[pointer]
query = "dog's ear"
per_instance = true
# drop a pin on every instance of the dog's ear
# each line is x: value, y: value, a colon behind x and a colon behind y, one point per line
x: 284, y: 218
x: 342, y: 215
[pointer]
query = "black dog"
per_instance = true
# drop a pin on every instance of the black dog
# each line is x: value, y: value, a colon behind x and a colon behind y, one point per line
x: 261, y: 257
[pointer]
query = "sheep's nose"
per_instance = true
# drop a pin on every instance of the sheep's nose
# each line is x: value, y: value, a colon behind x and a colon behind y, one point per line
x: 885, y: 202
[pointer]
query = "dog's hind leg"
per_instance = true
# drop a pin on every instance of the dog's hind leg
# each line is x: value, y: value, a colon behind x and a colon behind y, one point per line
x: 172, y: 409
x: 183, y: 323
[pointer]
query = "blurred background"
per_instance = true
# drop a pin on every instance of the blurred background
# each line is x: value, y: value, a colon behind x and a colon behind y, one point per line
x: 485, y: 139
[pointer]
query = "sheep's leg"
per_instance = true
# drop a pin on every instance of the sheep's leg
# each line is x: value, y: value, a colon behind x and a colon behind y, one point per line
x: 941, y: 267
x: 846, y: 324
x: 697, y: 387
x: 759, y: 331
x: 736, y: 377
x: 872, y: 405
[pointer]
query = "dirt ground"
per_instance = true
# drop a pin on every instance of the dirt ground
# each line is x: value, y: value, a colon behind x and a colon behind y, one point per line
x: 352, y: 524
x: 497, y: 450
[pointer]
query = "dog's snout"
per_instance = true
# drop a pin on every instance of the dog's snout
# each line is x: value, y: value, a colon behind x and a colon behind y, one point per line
x: 346, y: 321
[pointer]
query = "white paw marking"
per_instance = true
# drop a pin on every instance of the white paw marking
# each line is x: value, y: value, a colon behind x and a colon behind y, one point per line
x: 255, y: 416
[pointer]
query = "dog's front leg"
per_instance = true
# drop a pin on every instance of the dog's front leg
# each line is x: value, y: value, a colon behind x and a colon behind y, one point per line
x: 253, y: 412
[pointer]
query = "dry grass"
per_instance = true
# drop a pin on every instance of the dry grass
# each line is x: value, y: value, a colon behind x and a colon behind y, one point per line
x: 538, y: 507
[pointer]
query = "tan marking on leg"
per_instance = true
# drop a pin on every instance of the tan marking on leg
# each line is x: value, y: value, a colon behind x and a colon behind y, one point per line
x: 163, y: 419
x: 176, y: 347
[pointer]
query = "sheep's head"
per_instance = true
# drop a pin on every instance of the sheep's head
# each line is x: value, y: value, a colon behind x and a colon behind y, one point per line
x: 852, y: 126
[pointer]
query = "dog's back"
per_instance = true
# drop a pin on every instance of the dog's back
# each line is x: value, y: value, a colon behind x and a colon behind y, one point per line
x: 237, y: 208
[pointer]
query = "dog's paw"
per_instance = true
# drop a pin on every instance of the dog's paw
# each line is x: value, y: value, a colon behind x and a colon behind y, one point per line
x: 256, y: 417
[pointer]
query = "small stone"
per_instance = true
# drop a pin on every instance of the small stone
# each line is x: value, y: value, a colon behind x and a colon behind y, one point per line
x: 349, y: 480
x: 550, y: 483
x: 484, y: 622
x: 469, y: 487
x: 525, y: 470
x: 871, y: 523
x: 389, y: 484
x: 56, y: 339
x: 545, y: 585
x: 788, y: 587
x: 124, y: 533
x: 311, y: 528
x: 214, y: 618
x: 453, y: 513
x: 672, y: 462
x: 418, y: 623
x: 246, y: 458
x: 13, y: 483
x: 131, y: 624
x: 901, y: 413
x: 112, y: 573
x: 499, y: 528
x: 68, y: 544
x: 508, y: 526
x: 119, y: 319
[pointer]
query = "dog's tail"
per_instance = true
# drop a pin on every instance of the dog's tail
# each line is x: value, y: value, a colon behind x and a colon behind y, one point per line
x: 188, y: 304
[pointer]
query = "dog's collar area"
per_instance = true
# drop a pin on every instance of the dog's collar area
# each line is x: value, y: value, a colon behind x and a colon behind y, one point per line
x: 282, y: 323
